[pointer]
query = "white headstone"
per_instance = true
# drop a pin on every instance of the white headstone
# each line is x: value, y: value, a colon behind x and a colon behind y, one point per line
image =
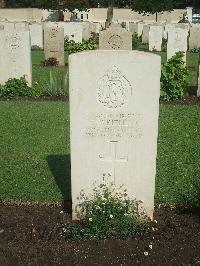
x: 36, y: 31
x: 15, y: 55
x: 115, y: 38
x: 133, y: 27
x: 21, y: 26
x: 8, y: 26
x: 114, y: 108
x: 73, y: 31
x: 155, y: 38
x: 54, y: 44
x: 140, y: 26
x: 177, y: 42
x: 194, y: 39
x: 145, y: 34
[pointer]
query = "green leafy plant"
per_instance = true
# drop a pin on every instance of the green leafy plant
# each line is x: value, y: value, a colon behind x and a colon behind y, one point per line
x: 36, y: 48
x: 91, y: 44
x: 108, y: 213
x: 195, y: 50
x: 136, y: 41
x: 51, y: 62
x: 17, y: 87
x: 174, y: 78
x: 57, y: 85
x: 164, y: 45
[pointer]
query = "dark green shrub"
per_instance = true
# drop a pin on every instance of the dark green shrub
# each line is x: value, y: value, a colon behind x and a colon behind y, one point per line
x: 91, y: 44
x: 174, y: 78
x: 109, y: 213
x: 136, y: 41
x: 51, y: 62
x: 18, y: 87
x: 36, y: 48
x: 195, y: 50
x: 164, y: 45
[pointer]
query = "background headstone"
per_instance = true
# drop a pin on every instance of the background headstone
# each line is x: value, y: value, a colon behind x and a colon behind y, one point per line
x: 36, y: 31
x: 115, y: 38
x: 194, y: 39
x: 114, y: 107
x: 54, y: 44
x: 155, y: 38
x: 145, y: 34
x: 177, y: 41
x: 15, y: 55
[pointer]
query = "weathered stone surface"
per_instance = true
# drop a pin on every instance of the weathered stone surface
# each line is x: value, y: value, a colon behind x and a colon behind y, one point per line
x: 54, y: 43
x: 36, y: 31
x: 15, y: 55
x: 114, y: 107
x: 177, y: 41
x: 194, y: 39
x: 115, y: 38
x: 145, y: 34
x: 155, y: 38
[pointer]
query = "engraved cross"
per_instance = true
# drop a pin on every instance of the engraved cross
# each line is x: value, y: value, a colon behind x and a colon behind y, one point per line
x: 113, y: 157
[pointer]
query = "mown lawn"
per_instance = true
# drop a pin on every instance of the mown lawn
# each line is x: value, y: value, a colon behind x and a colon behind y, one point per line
x: 35, y: 162
x: 41, y: 74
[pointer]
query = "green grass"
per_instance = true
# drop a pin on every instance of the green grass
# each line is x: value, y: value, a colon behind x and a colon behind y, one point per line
x: 41, y: 74
x: 34, y: 152
x: 34, y: 146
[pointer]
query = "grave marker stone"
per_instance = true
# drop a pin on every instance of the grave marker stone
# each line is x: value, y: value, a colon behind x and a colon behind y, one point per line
x: 194, y: 39
x: 36, y: 31
x: 114, y: 107
x: 54, y: 44
x: 177, y: 41
x: 155, y: 38
x: 15, y: 55
x: 145, y: 34
x: 115, y: 38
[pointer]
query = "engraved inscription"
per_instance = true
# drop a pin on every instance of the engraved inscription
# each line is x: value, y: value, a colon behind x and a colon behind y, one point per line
x: 114, y: 125
x: 114, y: 89
x: 13, y: 42
x: 53, y: 33
x: 112, y: 158
x: 115, y: 41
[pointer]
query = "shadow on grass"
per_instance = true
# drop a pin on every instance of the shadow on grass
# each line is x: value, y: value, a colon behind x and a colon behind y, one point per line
x: 61, y: 170
x: 192, y: 90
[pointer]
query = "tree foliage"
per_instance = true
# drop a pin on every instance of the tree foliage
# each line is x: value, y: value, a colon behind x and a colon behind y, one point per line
x: 65, y: 4
x: 152, y: 6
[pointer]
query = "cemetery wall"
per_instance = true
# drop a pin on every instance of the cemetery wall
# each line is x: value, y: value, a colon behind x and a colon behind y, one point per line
x: 21, y: 14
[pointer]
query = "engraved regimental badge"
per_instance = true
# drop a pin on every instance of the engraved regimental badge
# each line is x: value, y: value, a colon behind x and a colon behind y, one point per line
x: 114, y: 89
x: 115, y: 41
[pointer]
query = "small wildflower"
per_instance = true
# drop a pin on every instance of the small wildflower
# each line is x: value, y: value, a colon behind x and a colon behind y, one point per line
x: 90, y: 219
x: 61, y: 212
x: 111, y: 216
x: 146, y: 253
x: 150, y: 246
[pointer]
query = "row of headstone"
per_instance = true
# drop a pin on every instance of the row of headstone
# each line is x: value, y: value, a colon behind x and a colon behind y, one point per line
x: 76, y: 31
x: 143, y: 30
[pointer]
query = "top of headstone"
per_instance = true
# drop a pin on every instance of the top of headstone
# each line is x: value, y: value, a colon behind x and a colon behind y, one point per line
x: 115, y: 38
